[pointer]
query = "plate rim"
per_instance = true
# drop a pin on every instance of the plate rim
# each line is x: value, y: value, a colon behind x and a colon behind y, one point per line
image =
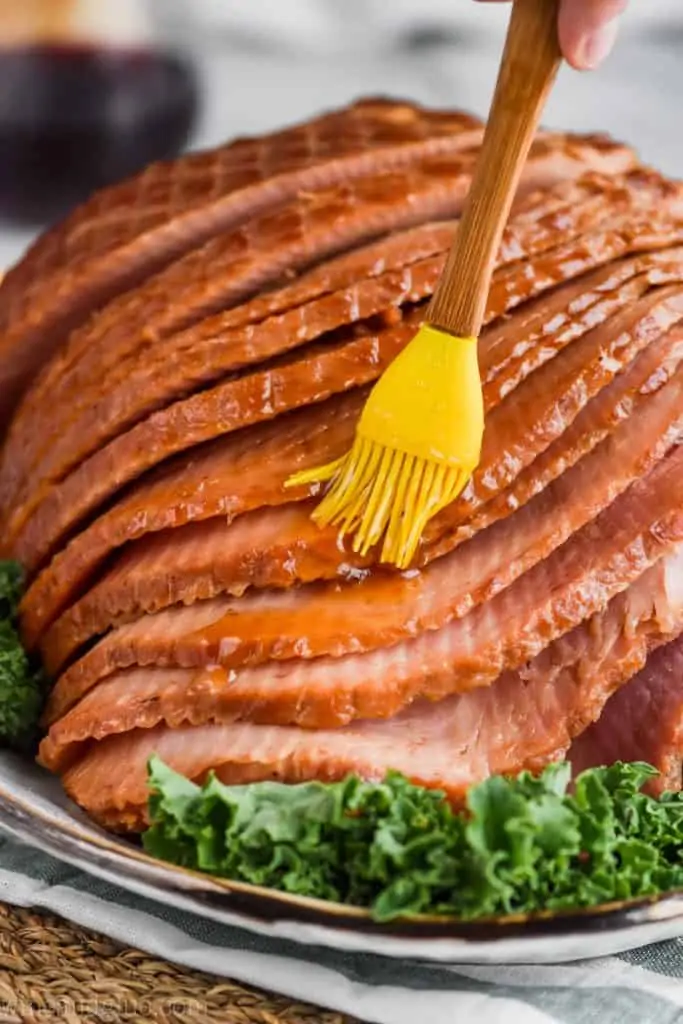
x: 261, y: 909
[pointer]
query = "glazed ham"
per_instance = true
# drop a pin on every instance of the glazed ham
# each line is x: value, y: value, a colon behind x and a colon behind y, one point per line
x: 184, y: 342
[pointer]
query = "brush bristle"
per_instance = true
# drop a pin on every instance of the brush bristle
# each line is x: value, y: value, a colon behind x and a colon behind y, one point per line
x: 379, y: 492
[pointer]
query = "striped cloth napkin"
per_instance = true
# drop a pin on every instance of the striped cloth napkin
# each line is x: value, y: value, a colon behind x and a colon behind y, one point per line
x: 642, y: 987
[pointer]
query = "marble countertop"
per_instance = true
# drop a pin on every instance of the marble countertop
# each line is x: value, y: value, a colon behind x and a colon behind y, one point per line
x: 636, y: 96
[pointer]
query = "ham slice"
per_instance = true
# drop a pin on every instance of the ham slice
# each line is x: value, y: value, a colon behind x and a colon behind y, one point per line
x: 523, y: 721
x: 511, y: 443
x: 573, y: 583
x: 642, y: 722
x: 567, y: 210
x: 109, y: 412
x: 277, y: 548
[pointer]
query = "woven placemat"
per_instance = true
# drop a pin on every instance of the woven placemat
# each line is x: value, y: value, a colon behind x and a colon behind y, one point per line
x: 52, y: 971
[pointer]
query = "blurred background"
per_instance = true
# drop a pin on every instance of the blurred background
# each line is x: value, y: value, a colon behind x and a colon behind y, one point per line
x: 92, y: 89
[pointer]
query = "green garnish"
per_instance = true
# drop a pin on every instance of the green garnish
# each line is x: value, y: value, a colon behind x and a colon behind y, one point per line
x: 21, y: 683
x: 524, y: 844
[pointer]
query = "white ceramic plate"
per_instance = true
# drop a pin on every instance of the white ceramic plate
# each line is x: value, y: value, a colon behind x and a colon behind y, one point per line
x: 34, y: 808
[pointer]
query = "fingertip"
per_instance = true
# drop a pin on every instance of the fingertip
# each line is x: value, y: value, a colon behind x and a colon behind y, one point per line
x: 593, y: 47
x: 588, y: 30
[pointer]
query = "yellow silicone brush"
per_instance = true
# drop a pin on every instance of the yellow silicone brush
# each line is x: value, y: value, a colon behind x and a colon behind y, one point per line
x: 419, y: 437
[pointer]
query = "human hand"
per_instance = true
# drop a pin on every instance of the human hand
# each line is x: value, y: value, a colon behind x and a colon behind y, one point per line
x: 587, y: 30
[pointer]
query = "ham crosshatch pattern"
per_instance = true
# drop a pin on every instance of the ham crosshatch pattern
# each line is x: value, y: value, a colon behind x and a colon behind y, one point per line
x: 186, y: 340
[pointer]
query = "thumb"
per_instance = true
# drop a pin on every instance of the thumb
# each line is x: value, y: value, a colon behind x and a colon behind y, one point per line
x: 588, y: 29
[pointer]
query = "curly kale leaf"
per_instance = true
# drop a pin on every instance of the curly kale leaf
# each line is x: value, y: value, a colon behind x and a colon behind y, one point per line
x: 21, y: 681
x: 523, y: 844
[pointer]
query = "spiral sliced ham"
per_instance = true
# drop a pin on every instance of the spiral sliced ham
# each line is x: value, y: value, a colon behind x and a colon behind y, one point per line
x: 181, y: 344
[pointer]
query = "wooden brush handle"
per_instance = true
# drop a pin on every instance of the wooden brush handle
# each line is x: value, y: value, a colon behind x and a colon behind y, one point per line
x: 528, y: 68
